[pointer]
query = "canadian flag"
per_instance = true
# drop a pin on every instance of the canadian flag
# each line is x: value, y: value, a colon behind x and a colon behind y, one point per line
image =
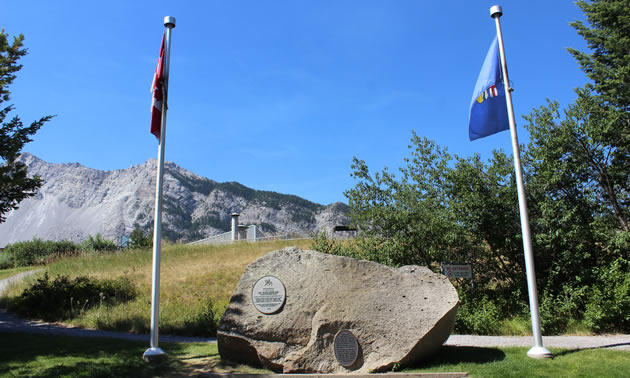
x: 157, y: 88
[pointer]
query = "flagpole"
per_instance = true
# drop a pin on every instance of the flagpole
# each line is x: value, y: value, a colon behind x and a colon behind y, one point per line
x: 538, y: 350
x: 155, y: 352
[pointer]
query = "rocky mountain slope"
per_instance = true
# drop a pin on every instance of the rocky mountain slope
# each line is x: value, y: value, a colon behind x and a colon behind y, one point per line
x: 76, y: 201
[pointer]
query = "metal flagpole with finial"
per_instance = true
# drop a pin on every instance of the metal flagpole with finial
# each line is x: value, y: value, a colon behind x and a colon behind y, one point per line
x: 155, y: 352
x: 538, y: 350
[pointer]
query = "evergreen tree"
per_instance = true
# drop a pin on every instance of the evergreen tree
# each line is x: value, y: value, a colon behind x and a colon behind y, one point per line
x: 15, y: 185
x: 579, y: 174
x: 591, y: 143
x: 608, y: 36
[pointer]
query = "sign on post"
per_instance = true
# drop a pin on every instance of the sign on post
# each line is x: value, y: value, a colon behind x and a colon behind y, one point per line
x: 458, y: 271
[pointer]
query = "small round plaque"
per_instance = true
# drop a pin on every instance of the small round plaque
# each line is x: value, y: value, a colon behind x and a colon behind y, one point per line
x: 268, y: 295
x: 346, y: 348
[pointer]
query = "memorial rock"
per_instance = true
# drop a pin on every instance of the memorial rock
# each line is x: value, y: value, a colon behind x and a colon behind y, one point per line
x: 298, y: 311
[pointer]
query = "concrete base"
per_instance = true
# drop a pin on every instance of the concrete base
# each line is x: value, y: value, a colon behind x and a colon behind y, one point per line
x: 539, y: 352
x: 154, y: 355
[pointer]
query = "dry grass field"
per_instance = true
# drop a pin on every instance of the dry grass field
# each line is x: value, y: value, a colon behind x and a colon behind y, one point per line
x: 196, y: 283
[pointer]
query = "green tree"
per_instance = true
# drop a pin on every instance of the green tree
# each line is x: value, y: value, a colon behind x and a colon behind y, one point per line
x: 440, y: 209
x: 578, y: 163
x: 567, y: 201
x: 139, y: 239
x: 605, y: 103
x: 608, y: 36
x: 577, y: 174
x: 585, y: 153
x: 484, y: 202
x: 15, y: 185
x: 409, y: 212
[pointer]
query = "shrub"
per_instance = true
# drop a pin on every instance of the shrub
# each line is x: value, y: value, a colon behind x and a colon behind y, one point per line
x: 6, y: 262
x: 64, y: 298
x: 608, y: 306
x: 599, y: 298
x: 320, y: 242
x: 553, y: 321
x: 204, y: 323
x: 140, y: 240
x: 558, y: 311
x: 98, y: 243
x: 477, y: 315
x: 37, y: 251
x: 386, y: 251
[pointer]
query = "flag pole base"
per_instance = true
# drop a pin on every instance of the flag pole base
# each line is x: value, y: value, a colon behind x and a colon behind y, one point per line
x: 154, y: 355
x: 539, y: 352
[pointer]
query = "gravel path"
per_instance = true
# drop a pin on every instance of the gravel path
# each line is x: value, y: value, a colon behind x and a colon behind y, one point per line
x: 12, y: 323
x: 4, y: 284
x: 619, y: 342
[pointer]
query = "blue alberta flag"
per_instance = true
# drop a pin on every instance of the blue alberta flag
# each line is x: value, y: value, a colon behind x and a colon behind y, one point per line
x: 488, y: 109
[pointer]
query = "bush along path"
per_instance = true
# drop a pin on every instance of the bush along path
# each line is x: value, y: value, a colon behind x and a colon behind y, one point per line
x: 10, y: 323
x: 14, y: 324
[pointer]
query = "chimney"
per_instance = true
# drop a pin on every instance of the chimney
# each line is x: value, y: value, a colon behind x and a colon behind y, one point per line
x: 234, y: 226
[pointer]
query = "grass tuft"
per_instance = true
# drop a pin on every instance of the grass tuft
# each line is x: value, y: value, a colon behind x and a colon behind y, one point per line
x: 517, y: 326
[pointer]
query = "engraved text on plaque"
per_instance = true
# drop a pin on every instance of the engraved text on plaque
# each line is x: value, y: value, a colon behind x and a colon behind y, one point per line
x: 268, y: 295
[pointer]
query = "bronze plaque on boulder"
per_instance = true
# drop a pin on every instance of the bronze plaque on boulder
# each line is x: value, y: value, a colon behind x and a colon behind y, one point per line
x: 268, y: 295
x: 346, y: 348
x: 326, y: 294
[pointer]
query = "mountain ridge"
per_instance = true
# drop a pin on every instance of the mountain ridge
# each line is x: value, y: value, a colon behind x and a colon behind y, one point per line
x: 76, y: 201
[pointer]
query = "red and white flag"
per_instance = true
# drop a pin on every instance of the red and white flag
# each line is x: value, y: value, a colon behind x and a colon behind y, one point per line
x: 157, y: 88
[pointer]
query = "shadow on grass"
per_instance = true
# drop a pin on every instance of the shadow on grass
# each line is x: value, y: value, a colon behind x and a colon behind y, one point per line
x: 454, y: 355
x: 569, y: 351
x: 206, y: 360
x: 91, y: 369
x: 54, y: 356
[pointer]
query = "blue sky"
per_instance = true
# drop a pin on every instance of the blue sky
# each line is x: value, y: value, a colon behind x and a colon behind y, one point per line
x: 279, y: 95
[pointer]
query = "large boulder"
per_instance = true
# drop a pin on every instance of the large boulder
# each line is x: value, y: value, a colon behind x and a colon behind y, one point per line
x: 296, y: 311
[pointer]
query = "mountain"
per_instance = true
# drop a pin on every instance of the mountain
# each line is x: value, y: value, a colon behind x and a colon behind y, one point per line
x: 76, y: 201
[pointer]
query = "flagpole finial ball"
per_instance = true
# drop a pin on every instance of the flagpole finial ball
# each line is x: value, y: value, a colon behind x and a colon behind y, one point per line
x: 496, y: 11
x: 169, y: 21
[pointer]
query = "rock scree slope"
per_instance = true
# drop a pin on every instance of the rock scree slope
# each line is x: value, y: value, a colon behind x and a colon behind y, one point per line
x: 76, y: 201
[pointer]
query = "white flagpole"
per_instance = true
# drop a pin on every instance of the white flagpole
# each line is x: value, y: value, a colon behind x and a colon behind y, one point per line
x: 155, y: 352
x: 538, y: 350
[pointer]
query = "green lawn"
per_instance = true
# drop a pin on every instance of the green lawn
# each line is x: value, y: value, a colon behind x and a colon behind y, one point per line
x: 53, y: 356
x: 24, y: 355
x: 513, y: 362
